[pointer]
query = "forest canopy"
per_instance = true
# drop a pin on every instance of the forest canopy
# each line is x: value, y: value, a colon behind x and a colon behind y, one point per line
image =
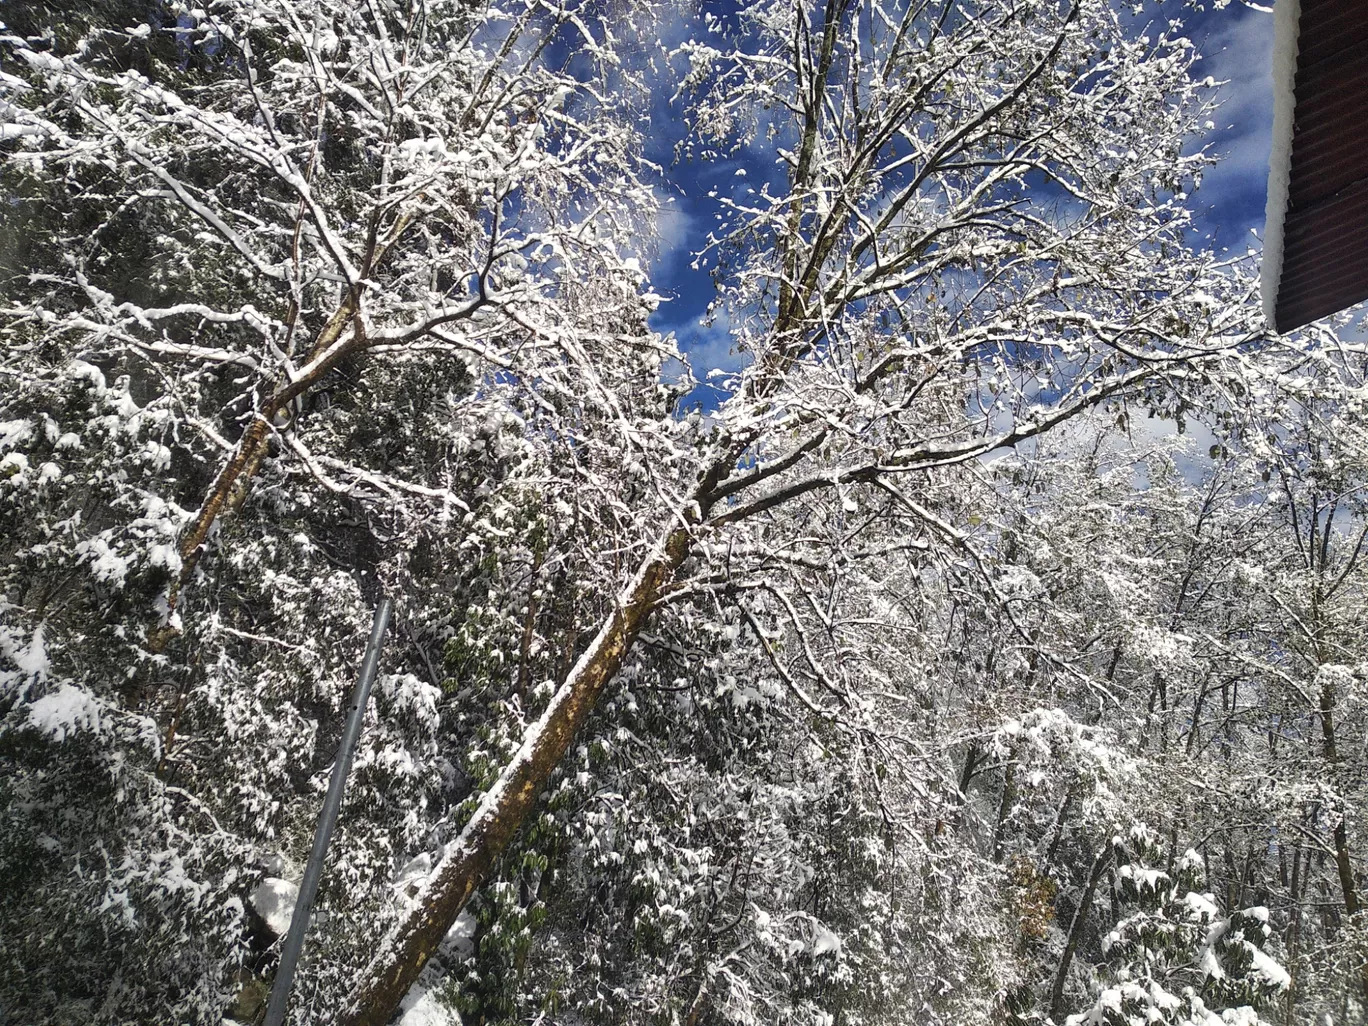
x: 985, y: 643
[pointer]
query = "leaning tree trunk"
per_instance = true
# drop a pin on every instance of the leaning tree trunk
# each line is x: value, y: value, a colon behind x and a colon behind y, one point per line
x: 470, y: 858
x: 1080, y: 916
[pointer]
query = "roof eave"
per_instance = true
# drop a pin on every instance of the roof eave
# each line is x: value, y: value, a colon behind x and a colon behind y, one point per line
x: 1286, y: 19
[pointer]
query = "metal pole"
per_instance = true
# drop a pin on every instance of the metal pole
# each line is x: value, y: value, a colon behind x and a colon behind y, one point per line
x: 308, y: 887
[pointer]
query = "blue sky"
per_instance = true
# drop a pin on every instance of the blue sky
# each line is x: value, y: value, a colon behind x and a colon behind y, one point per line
x: 1236, y: 44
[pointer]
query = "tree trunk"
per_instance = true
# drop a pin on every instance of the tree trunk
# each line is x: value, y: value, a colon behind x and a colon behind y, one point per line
x: 227, y: 489
x: 1009, y: 792
x: 470, y: 858
x: 1294, y: 933
x: 1344, y: 864
x: 1099, y: 866
x: 1329, y: 749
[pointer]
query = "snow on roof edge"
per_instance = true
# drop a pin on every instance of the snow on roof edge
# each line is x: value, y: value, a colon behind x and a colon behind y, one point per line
x: 1286, y: 26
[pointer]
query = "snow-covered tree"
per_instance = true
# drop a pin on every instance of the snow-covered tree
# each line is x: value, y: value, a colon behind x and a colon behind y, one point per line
x: 286, y: 319
x: 895, y: 257
x: 818, y: 707
x: 1174, y: 957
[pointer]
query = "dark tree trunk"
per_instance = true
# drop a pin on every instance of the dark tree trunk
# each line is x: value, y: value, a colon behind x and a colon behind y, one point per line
x: 1099, y: 867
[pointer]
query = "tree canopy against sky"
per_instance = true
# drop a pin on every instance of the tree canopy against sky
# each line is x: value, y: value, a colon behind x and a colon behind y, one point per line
x: 1234, y: 44
x: 912, y: 681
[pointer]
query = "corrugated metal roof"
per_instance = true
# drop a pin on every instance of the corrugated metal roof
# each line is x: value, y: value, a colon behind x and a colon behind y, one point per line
x: 1324, y: 265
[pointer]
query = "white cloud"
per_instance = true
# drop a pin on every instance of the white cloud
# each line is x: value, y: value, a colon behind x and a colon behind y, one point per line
x: 1239, y: 52
x: 708, y: 348
x: 675, y: 233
